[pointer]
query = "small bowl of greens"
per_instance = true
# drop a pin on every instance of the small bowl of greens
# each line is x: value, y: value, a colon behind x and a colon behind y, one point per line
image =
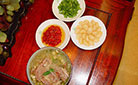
x: 68, y: 10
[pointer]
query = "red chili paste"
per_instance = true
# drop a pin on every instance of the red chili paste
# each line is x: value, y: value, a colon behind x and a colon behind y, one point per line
x: 52, y: 35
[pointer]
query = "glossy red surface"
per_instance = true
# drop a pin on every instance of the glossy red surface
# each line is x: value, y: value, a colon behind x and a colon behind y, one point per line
x: 52, y: 35
x: 94, y: 67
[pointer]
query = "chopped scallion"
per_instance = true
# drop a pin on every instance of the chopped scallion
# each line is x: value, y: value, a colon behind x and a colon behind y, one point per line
x: 48, y: 72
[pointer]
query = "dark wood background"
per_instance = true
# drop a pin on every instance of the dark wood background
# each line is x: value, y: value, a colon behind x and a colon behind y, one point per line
x: 94, y: 67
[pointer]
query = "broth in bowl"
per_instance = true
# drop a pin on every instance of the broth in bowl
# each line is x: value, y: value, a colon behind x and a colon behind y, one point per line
x: 49, y: 66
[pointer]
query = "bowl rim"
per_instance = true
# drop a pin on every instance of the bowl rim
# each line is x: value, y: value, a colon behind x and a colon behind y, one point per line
x: 73, y: 38
x: 39, y: 50
x: 69, y: 19
x: 50, y: 21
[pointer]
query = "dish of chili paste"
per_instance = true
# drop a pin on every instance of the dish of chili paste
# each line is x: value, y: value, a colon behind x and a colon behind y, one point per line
x: 53, y: 33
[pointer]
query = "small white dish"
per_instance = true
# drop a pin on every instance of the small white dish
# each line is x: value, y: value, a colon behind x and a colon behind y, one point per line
x: 46, y: 23
x: 96, y: 45
x: 61, y: 17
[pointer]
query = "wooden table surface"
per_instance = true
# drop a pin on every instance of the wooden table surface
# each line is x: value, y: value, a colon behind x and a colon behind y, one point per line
x: 94, y: 67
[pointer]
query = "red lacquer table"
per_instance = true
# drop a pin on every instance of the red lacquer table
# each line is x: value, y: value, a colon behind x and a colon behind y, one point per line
x: 94, y: 67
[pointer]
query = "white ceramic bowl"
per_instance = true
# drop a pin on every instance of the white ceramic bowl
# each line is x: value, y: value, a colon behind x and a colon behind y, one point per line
x: 46, y: 23
x: 96, y: 45
x: 61, y: 17
x: 39, y: 51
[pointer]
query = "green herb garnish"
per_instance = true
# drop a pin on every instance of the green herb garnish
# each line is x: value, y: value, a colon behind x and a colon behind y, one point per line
x: 48, y: 72
x: 69, y: 8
